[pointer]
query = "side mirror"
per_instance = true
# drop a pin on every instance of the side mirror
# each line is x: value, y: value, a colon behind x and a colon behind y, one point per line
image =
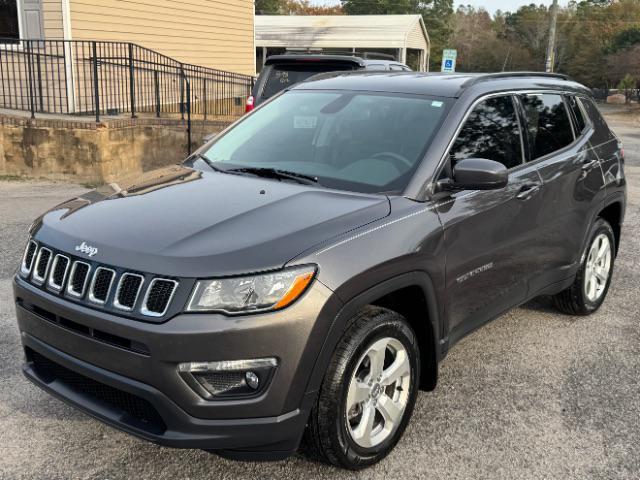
x: 479, y: 174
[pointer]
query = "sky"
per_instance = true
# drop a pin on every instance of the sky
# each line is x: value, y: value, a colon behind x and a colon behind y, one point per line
x: 489, y: 5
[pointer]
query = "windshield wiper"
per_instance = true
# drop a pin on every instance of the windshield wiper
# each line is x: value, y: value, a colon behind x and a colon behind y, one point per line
x: 276, y: 173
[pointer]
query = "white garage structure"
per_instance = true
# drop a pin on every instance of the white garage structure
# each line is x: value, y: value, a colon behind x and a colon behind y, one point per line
x: 403, y: 36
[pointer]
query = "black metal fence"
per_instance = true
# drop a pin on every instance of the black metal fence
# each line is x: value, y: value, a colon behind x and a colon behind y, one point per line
x: 97, y: 78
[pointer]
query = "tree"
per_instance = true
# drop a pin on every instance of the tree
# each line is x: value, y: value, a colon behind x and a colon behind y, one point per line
x: 268, y: 7
x: 627, y: 84
x: 625, y: 39
x: 305, y: 7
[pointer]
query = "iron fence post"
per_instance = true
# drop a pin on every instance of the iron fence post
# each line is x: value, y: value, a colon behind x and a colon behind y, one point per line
x: 96, y: 90
x: 204, y: 96
x: 188, y: 85
x: 40, y: 82
x: 132, y: 93
x: 156, y: 82
x: 32, y: 104
x: 182, y: 78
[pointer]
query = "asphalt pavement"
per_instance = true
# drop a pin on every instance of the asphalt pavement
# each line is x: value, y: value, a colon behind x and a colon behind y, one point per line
x: 534, y: 394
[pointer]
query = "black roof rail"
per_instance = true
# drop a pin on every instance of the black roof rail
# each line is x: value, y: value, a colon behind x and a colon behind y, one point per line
x: 497, y: 75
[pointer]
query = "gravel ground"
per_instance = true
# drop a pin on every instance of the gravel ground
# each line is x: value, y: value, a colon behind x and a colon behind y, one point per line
x: 534, y: 394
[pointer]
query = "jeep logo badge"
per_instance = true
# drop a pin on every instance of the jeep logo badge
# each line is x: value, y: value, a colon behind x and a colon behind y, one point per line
x: 88, y: 249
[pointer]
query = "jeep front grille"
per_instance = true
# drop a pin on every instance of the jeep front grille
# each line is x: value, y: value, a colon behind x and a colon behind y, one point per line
x: 101, y: 285
x: 158, y: 297
x: 58, y: 273
x: 28, y: 257
x: 98, y: 286
x: 42, y: 265
x: 78, y: 279
x: 128, y: 291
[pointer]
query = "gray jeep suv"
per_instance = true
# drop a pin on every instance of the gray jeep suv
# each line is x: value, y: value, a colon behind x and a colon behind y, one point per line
x: 301, y: 276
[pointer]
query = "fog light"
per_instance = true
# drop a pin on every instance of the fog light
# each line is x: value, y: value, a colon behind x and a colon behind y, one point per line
x: 252, y: 380
x: 229, y: 378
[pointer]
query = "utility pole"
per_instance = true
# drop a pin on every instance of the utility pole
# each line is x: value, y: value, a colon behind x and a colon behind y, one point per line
x: 551, y: 48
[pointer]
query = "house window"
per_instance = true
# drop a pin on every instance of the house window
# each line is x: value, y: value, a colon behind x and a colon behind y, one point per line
x: 9, y: 26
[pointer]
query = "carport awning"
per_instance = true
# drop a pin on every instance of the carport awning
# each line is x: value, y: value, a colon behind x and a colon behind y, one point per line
x: 340, y: 31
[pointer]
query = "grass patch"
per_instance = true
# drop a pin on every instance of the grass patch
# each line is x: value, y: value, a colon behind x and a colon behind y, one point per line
x: 13, y: 178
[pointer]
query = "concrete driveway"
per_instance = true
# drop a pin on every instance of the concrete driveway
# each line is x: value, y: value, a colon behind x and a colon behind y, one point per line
x: 534, y: 394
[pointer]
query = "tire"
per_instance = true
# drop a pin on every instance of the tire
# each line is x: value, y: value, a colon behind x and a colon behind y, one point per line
x: 576, y: 299
x: 331, y: 434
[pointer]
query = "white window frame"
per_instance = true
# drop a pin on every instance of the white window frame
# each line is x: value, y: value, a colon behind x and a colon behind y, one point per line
x: 19, y: 45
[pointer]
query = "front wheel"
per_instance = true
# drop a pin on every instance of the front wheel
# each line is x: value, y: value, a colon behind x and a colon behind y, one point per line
x: 591, y: 284
x: 368, y: 392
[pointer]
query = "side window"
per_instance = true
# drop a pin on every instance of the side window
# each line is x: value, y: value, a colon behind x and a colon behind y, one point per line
x: 581, y: 123
x: 397, y: 68
x: 602, y: 134
x: 492, y: 132
x: 548, y: 123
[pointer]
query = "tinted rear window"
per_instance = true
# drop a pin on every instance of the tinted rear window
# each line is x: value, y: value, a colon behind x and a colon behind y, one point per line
x: 283, y: 76
x: 602, y: 133
x: 548, y: 123
x: 581, y: 124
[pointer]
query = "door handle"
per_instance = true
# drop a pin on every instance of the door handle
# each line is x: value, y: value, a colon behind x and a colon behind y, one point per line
x: 528, y: 191
x: 589, y: 165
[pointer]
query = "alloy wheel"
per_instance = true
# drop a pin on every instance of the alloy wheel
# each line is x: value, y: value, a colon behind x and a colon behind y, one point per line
x: 598, y: 267
x: 378, y: 392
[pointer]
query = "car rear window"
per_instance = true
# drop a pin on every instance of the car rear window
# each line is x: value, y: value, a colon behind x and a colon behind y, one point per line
x: 283, y: 76
x: 548, y: 123
x: 602, y: 133
x: 578, y: 114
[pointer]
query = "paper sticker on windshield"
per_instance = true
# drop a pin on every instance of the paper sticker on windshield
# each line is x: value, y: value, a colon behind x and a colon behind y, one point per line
x: 304, y: 122
x: 436, y: 104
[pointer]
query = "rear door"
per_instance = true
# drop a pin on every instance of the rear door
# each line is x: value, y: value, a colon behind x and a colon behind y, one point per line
x: 604, y: 145
x: 490, y: 236
x: 558, y: 137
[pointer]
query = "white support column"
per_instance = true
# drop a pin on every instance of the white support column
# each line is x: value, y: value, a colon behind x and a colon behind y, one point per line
x: 403, y: 55
x: 68, y: 56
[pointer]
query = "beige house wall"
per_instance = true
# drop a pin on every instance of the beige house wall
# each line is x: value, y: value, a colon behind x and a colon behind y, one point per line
x: 211, y: 33
x: 52, y: 19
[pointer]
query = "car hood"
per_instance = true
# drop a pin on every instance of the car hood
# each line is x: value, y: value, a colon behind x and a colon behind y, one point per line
x: 184, y: 222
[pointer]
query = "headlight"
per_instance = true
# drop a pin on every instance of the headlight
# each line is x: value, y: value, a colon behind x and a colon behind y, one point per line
x: 269, y: 291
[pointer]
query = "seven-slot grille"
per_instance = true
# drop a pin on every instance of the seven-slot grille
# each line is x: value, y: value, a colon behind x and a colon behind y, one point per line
x: 98, y: 284
x: 58, y: 272
x: 128, y: 291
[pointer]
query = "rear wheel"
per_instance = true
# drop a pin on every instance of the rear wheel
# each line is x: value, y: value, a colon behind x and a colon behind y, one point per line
x: 368, y: 392
x: 591, y: 284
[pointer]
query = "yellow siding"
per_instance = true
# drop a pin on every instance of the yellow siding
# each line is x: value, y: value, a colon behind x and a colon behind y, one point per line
x: 52, y: 19
x: 211, y: 33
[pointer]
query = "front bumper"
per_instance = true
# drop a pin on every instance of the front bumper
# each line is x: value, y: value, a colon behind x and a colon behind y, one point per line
x: 272, y: 422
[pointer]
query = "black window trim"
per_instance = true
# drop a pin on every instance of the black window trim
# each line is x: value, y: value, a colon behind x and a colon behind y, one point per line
x: 445, y: 156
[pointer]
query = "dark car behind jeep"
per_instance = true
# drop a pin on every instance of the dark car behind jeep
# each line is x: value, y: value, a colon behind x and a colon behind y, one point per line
x: 283, y: 71
x: 303, y: 274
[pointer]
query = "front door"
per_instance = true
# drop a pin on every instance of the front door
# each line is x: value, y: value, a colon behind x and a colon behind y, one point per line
x: 490, y: 236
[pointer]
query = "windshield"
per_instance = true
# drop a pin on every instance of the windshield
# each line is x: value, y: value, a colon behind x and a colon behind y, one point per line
x: 363, y: 142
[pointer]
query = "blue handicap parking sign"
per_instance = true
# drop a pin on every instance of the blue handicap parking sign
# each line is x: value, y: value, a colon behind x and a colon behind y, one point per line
x: 448, y: 63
